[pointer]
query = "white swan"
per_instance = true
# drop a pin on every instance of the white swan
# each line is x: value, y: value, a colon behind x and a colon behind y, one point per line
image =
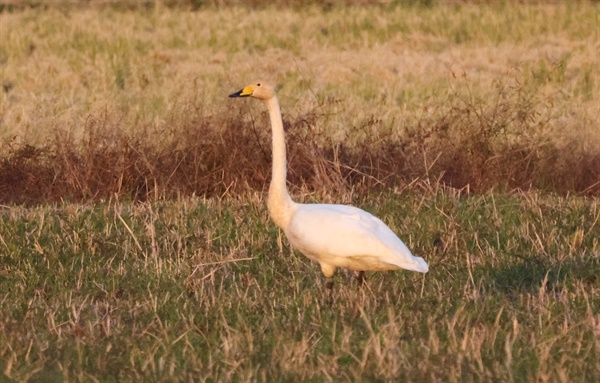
x: 332, y: 235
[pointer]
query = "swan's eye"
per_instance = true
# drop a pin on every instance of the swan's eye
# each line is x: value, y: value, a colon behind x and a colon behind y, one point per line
x: 258, y: 84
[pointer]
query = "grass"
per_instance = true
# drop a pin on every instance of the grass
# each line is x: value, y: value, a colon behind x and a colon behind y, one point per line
x: 134, y: 239
x: 208, y: 290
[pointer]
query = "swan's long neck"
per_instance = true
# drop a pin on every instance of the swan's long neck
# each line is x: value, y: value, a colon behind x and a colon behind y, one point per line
x: 281, y: 206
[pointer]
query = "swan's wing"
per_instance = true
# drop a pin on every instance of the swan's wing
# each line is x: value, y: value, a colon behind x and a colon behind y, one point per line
x: 346, y: 236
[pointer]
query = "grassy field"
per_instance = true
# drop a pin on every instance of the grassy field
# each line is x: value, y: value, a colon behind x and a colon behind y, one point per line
x: 209, y: 290
x: 135, y: 243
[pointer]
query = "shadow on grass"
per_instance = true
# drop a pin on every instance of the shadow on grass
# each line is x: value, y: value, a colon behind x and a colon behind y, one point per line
x: 534, y: 274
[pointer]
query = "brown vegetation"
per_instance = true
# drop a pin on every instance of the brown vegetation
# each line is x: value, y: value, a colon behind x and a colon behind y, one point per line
x: 469, y: 144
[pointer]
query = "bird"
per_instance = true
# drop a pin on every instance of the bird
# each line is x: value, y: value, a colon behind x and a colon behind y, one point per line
x: 332, y: 235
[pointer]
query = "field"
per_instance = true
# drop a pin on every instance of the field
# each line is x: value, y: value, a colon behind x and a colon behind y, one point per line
x: 135, y: 243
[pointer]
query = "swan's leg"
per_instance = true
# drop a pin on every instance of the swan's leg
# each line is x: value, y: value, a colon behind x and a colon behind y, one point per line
x: 329, y: 284
x: 328, y: 294
x: 360, y: 278
x: 328, y: 271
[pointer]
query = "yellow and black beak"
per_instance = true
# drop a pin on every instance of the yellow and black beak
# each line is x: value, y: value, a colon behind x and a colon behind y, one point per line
x: 247, y: 91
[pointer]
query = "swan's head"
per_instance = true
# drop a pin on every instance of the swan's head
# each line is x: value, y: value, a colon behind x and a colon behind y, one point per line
x: 260, y: 90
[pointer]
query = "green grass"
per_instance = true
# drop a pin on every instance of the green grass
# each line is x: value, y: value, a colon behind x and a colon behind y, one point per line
x: 208, y: 290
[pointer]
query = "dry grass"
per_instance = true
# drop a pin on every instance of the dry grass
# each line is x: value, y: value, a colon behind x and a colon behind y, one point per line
x: 383, y: 96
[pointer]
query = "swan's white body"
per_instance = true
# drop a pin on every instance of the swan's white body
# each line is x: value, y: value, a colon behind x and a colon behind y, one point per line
x: 348, y: 237
x: 332, y: 235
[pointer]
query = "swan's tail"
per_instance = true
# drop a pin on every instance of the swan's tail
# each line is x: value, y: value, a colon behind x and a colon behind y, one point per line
x: 420, y: 265
x: 414, y: 264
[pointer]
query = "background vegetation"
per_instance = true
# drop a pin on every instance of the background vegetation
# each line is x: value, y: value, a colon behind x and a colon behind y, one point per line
x: 134, y: 239
x: 491, y: 97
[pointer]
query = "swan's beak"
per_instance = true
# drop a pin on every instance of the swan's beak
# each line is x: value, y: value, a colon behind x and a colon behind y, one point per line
x: 247, y: 91
x: 237, y: 94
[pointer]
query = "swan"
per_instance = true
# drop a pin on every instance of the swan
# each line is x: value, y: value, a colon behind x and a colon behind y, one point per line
x: 332, y: 235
